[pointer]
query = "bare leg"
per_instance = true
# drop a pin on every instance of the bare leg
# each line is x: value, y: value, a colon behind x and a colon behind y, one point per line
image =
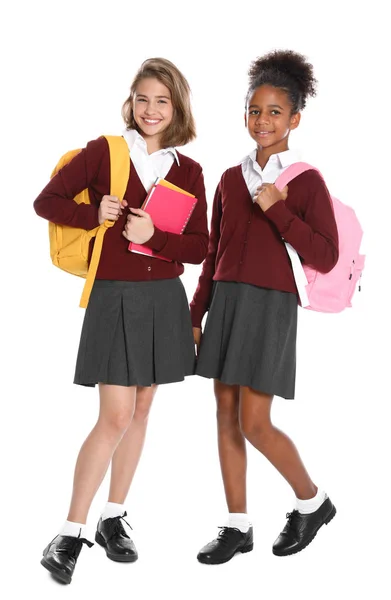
x: 128, y: 452
x: 232, y: 446
x: 117, y: 405
x: 258, y: 429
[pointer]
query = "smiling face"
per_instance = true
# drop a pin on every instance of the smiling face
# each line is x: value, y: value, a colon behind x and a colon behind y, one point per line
x: 152, y: 108
x: 269, y: 118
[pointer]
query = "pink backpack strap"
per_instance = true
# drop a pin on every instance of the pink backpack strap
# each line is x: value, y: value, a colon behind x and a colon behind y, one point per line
x: 298, y: 272
x: 291, y: 172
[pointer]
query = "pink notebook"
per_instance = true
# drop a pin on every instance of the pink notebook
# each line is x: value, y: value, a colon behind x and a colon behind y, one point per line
x: 170, y: 208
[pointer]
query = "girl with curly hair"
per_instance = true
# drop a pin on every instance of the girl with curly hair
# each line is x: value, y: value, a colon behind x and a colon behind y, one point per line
x: 248, y: 289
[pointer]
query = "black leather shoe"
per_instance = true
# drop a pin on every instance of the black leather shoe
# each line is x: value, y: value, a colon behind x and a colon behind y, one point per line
x: 229, y: 541
x: 300, y: 529
x: 111, y: 535
x: 60, y: 556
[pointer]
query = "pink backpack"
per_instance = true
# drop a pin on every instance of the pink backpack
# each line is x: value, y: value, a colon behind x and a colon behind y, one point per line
x: 328, y: 292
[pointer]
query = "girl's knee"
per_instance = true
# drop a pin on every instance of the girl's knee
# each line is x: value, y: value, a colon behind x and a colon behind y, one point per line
x: 226, y: 412
x: 117, y: 422
x: 143, y: 403
x: 142, y: 410
x: 257, y: 433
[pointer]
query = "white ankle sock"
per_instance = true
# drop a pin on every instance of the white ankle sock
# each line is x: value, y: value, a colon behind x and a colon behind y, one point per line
x: 112, y: 509
x: 240, y: 521
x: 73, y: 529
x: 305, y: 507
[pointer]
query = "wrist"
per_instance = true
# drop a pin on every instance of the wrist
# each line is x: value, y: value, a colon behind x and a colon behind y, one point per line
x: 152, y: 233
x: 265, y: 204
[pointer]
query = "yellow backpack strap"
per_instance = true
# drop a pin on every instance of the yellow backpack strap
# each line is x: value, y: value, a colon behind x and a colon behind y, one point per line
x: 119, y: 177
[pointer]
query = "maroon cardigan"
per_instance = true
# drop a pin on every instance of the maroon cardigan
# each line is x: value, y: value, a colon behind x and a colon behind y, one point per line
x: 246, y: 243
x: 91, y: 169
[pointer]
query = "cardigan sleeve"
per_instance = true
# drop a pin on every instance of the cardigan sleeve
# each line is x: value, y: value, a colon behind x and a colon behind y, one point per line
x: 315, y: 236
x: 55, y: 203
x: 201, y: 299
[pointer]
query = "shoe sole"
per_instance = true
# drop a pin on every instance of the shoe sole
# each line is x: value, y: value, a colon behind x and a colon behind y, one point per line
x: 57, y: 574
x: 115, y: 557
x: 221, y: 562
x: 326, y: 522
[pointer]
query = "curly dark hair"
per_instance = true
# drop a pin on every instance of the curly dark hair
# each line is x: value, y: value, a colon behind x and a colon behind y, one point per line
x: 287, y: 70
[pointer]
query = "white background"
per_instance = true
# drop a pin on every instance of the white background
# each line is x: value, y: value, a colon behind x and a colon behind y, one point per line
x: 66, y: 70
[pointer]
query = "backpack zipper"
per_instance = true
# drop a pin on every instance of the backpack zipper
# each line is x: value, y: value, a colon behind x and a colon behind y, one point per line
x: 351, y: 270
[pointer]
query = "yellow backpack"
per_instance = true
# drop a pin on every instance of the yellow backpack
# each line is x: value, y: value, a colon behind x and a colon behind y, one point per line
x: 69, y: 245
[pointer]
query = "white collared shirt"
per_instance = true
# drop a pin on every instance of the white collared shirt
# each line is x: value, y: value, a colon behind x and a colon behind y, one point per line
x: 149, y: 166
x: 254, y: 176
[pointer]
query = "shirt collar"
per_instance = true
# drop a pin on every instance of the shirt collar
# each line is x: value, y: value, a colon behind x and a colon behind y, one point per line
x: 133, y: 137
x: 283, y: 159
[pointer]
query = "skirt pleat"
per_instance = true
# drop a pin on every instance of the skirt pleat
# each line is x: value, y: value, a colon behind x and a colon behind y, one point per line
x: 250, y: 338
x: 136, y: 333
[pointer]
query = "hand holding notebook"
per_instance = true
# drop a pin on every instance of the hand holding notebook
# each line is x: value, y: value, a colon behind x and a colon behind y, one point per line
x: 170, y: 208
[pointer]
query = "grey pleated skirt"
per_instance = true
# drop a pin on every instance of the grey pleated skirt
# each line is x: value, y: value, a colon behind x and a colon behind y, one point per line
x: 136, y: 333
x: 250, y: 338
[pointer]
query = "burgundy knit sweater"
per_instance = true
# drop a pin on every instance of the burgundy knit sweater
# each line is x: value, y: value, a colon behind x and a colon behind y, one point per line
x: 246, y: 243
x: 91, y: 169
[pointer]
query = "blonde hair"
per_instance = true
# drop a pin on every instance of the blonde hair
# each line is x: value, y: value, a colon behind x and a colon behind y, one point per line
x: 182, y: 128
